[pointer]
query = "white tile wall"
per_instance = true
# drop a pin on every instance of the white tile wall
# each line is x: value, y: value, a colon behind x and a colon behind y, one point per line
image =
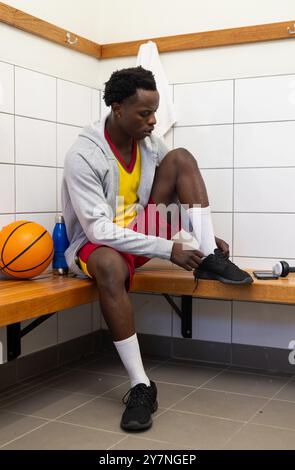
x: 212, y: 146
x: 41, y: 338
x: 204, y: 103
x: 35, y: 189
x: 240, y: 131
x: 6, y: 188
x: 6, y: 88
x: 59, y: 182
x: 264, y: 235
x: 219, y: 185
x: 95, y: 105
x: 35, y: 94
x: 168, y: 139
x: 103, y: 108
x: 66, y: 136
x: 6, y: 138
x: 211, y: 320
x: 33, y: 146
x: 265, y: 99
x: 5, y: 220
x: 263, y: 324
x: 74, y: 103
x: 222, y: 223
x: 264, y: 190
x: 74, y: 322
x: 269, y: 144
x: 153, y: 314
x: 259, y: 263
x: 35, y: 142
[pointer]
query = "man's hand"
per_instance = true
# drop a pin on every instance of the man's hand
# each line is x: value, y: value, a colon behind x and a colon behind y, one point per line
x: 187, y: 259
x: 222, y: 245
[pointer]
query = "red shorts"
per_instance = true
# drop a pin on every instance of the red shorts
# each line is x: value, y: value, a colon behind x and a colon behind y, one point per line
x: 157, y: 226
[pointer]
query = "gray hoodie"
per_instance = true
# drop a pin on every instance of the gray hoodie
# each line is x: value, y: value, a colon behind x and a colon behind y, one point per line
x: 89, y: 189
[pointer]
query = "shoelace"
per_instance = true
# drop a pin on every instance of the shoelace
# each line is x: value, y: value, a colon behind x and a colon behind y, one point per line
x: 220, y: 258
x: 138, y: 395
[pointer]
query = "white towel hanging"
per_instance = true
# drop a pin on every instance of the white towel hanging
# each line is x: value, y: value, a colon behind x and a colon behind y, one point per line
x: 148, y: 58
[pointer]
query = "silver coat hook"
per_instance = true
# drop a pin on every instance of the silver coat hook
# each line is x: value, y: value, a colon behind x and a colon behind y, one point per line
x: 290, y: 30
x: 69, y: 40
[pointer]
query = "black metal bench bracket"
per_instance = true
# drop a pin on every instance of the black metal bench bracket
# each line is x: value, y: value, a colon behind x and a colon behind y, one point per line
x: 185, y: 313
x: 15, y: 334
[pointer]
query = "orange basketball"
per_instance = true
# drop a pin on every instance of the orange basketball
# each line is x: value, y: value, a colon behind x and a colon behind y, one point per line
x: 26, y: 249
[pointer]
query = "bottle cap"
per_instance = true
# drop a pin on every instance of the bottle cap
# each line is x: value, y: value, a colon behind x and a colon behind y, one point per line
x: 59, y: 219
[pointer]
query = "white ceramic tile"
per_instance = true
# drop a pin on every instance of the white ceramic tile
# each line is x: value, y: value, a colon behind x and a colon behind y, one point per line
x: 222, y: 223
x: 204, y: 103
x: 214, y: 321
x: 264, y: 190
x: 265, y: 99
x: 264, y: 144
x: 6, y: 138
x: 6, y: 188
x: 6, y: 88
x: 210, y: 320
x: 66, y: 136
x: 152, y: 314
x: 219, y: 186
x: 263, y: 324
x: 35, y: 142
x: 95, y: 105
x: 35, y: 94
x: 47, y: 220
x: 259, y: 263
x: 5, y: 220
x: 264, y: 235
x: 74, y: 322
x: 104, y: 110
x: 168, y: 138
x: 59, y: 183
x: 35, y: 189
x: 212, y: 146
x: 41, y: 338
x: 73, y: 103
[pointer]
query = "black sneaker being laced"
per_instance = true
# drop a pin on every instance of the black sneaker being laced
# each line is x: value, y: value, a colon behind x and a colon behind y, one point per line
x: 218, y: 267
x: 141, y: 402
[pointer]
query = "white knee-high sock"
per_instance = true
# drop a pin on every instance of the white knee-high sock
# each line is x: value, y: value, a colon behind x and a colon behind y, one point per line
x: 201, y: 220
x: 129, y: 352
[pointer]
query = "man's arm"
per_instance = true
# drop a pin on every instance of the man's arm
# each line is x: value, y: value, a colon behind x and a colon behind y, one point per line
x: 96, y: 218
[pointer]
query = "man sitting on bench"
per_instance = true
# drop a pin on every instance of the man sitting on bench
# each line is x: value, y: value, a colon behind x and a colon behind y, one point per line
x: 118, y: 181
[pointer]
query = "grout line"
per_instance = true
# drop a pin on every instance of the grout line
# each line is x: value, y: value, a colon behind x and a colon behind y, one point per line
x: 255, y: 414
x: 14, y: 142
x: 24, y: 434
x: 231, y: 123
x: 285, y: 74
x: 119, y: 442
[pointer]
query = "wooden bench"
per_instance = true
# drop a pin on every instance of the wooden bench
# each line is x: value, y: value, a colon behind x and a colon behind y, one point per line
x: 47, y: 294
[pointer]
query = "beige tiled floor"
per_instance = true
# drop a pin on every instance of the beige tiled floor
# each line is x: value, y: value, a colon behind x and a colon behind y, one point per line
x: 200, y: 407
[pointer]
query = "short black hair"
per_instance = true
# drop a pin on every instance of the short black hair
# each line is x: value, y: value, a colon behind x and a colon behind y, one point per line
x: 124, y: 83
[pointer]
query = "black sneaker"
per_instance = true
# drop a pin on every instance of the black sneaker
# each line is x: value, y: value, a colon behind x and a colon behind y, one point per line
x: 218, y: 267
x: 141, y: 402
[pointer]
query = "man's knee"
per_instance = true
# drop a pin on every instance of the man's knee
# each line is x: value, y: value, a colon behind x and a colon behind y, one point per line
x: 182, y: 156
x: 108, y: 268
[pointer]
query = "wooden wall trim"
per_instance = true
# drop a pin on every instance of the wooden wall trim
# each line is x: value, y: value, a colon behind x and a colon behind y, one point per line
x: 220, y: 37
x: 181, y: 42
x: 31, y: 24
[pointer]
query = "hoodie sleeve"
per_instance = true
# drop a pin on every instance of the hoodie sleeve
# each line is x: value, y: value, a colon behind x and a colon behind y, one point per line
x: 96, y: 216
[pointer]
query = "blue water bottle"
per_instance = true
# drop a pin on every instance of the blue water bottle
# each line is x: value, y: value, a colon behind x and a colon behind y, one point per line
x: 61, y: 243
